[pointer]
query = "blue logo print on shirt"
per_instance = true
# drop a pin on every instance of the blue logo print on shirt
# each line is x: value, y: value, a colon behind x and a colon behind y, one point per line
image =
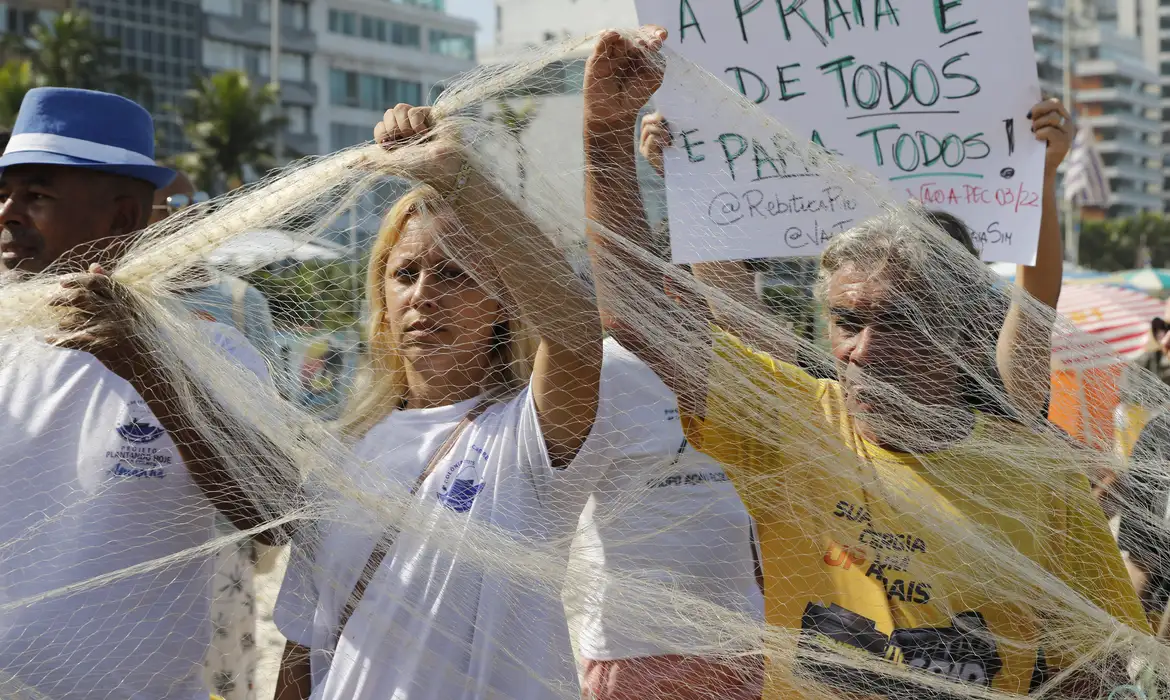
x: 140, y: 432
x: 460, y: 494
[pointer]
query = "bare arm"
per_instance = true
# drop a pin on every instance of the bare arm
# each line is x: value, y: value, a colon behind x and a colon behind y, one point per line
x: 294, y: 679
x: 732, y: 278
x: 499, y: 240
x: 102, y: 311
x: 1024, y: 351
x: 620, y: 77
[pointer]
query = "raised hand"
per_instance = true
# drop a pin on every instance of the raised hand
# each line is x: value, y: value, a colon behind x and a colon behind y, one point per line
x: 621, y: 76
x: 99, y: 318
x: 1051, y: 123
x: 438, y: 154
x: 654, y: 139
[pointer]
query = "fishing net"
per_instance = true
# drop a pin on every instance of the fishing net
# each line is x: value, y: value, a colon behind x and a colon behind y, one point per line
x: 919, y: 529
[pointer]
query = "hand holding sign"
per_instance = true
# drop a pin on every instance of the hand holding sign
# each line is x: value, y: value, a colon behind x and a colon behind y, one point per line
x: 927, y: 96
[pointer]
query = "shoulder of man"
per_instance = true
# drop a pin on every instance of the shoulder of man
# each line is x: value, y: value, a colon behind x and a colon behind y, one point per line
x: 233, y: 343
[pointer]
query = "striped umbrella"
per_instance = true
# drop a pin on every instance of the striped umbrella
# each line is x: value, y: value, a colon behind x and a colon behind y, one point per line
x: 1150, y: 280
x: 1115, y: 321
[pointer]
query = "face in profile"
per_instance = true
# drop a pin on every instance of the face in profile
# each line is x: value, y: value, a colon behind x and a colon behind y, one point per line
x: 438, y: 316
x: 50, y: 211
x: 885, y: 354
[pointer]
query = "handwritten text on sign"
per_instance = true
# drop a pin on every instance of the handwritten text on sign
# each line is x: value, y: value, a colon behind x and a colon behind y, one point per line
x: 931, y: 96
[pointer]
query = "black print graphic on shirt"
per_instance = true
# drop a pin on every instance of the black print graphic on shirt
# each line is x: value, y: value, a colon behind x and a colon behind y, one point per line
x: 964, y: 652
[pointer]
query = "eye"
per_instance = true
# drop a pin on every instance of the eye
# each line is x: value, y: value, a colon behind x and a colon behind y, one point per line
x: 848, y: 323
x: 450, y: 271
x: 406, y: 274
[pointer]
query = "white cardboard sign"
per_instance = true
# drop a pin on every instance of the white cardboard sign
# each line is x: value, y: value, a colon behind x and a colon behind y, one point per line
x: 931, y: 96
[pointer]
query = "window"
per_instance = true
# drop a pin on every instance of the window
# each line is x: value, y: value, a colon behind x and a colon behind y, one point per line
x: 343, y: 88
x: 346, y: 135
x: 297, y: 118
x: 367, y: 24
x: 454, y: 45
x: 350, y: 89
x: 294, y: 67
x: 294, y: 15
x: 405, y: 34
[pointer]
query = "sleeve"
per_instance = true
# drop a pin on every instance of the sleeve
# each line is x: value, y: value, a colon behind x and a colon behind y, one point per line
x: 742, y: 427
x: 239, y: 350
x: 1143, y: 496
x: 1084, y: 555
x: 260, y: 330
x: 296, y: 604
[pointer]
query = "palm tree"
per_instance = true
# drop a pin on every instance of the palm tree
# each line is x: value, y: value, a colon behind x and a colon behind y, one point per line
x: 69, y: 52
x: 515, y: 121
x: 16, y: 78
x: 225, y: 118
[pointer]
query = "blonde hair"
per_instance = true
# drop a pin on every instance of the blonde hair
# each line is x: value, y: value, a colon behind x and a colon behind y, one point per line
x: 381, y: 387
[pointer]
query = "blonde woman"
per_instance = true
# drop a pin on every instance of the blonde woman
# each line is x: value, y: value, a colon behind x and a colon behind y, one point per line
x: 481, y: 409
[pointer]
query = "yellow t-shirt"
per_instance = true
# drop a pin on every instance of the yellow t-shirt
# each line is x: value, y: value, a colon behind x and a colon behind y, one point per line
x: 864, y: 548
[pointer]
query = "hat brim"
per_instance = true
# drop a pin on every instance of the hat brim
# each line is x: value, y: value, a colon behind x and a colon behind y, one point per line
x: 156, y: 175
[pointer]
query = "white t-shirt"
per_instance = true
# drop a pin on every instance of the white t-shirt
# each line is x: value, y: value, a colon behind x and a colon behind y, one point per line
x: 670, y: 516
x: 432, y: 625
x: 93, y: 485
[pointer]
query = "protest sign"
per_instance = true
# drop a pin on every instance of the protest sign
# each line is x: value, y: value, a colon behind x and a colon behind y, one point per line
x: 931, y: 96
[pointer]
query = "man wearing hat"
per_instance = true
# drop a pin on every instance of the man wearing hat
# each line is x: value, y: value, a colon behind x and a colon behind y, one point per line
x: 103, y: 469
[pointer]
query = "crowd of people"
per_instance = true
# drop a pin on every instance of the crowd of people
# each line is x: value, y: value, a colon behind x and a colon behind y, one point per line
x: 497, y: 390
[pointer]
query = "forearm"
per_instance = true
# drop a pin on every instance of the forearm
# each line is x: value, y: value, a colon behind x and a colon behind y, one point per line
x: 624, y: 255
x: 674, y: 676
x: 747, y: 320
x: 538, y: 281
x: 294, y: 680
x: 1024, y: 350
x: 536, y: 276
x: 240, y: 501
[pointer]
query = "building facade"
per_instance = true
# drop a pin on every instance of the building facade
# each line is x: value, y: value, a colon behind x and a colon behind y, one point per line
x: 237, y: 36
x: 373, y: 54
x: 160, y: 41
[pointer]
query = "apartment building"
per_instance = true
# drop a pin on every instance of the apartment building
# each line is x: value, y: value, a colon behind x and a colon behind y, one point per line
x: 237, y: 35
x: 373, y: 54
x: 1149, y: 22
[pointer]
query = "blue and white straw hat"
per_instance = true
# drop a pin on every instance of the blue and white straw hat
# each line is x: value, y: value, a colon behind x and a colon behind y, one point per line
x: 85, y: 129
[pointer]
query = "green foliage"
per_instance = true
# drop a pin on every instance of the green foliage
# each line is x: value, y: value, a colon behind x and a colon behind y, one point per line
x: 315, y: 295
x: 70, y: 52
x: 16, y: 78
x: 515, y: 120
x: 1115, y: 244
x: 225, y: 118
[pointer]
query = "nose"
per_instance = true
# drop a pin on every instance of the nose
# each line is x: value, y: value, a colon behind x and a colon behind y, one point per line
x: 860, y: 350
x: 426, y: 292
x: 13, y: 211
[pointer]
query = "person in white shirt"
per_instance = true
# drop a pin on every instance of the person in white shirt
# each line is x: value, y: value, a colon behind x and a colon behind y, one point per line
x: 105, y: 471
x: 667, y: 514
x: 484, y: 434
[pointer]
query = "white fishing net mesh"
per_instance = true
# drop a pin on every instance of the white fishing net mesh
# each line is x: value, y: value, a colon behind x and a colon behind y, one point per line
x: 908, y: 545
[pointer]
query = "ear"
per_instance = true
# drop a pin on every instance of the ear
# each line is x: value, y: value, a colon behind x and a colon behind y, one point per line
x: 129, y: 215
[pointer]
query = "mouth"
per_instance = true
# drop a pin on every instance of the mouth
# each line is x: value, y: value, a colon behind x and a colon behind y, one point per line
x: 423, y: 328
x: 12, y: 252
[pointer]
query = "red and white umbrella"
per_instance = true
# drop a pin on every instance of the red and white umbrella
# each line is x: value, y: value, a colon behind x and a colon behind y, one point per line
x: 1115, y: 323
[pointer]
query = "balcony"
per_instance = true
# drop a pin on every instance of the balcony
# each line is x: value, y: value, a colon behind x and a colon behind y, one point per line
x: 1116, y: 95
x: 301, y: 144
x: 239, y: 30
x: 1120, y: 121
x: 1133, y: 173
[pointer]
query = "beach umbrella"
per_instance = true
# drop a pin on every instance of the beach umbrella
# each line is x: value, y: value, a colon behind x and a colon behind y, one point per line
x: 1150, y: 280
x: 1115, y: 320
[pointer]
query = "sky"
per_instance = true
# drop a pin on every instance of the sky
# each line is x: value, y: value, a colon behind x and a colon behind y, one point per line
x: 484, y: 13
